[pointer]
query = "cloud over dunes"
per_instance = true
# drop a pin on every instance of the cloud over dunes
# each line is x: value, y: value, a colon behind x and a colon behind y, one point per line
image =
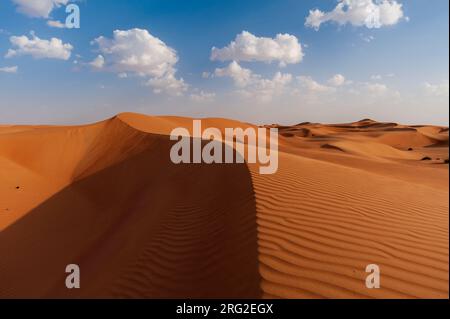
x: 136, y: 51
x: 284, y: 48
x: 368, y: 13
x: 168, y: 84
x: 241, y: 76
x: 311, y: 86
x: 337, y: 80
x: 98, y: 62
x: 39, y: 48
x: 203, y: 96
x: 254, y: 85
x: 376, y: 88
x: 440, y: 89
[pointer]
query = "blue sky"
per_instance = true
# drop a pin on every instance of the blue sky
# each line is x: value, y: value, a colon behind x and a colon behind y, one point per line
x: 342, y: 70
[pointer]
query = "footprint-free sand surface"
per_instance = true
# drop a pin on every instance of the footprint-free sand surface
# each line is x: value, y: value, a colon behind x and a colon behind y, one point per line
x: 107, y: 197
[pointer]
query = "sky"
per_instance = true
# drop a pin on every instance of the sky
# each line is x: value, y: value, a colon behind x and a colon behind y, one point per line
x: 259, y: 61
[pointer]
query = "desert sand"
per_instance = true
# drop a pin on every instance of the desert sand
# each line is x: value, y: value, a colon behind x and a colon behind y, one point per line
x: 107, y: 197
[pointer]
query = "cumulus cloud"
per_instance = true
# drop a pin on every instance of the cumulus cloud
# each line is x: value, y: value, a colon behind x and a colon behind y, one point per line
x: 241, y: 76
x: 168, y: 84
x: 266, y: 89
x: 136, y: 51
x: 368, y: 13
x: 98, y: 62
x: 284, y: 48
x: 39, y: 48
x: 376, y: 88
x: 311, y: 86
x: 38, y: 8
x: 337, y: 80
x: 286, y: 88
x: 203, y: 96
x: 439, y: 90
x: 56, y: 24
x: 254, y: 85
x: 9, y: 69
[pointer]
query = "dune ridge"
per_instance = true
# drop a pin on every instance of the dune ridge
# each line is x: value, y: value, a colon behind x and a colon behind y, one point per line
x: 107, y: 197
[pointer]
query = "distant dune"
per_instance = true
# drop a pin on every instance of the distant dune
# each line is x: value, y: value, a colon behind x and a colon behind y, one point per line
x: 107, y: 197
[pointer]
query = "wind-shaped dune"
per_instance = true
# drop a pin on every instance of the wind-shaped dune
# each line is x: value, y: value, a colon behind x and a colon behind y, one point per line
x: 107, y: 197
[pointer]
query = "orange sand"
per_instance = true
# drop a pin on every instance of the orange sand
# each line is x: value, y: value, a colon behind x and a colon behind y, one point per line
x: 107, y: 197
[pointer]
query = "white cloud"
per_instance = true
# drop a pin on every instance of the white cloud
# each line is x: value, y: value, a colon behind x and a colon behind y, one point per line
x: 266, y: 89
x: 286, y: 89
x: 376, y: 77
x: 56, y: 24
x: 368, y: 38
x: 203, y: 97
x: 136, y: 51
x: 337, y: 80
x: 284, y: 48
x: 9, y: 69
x: 311, y: 86
x: 98, y: 62
x: 241, y: 76
x: 354, y: 94
x: 39, y: 48
x: 440, y: 90
x: 376, y: 88
x: 206, y: 75
x: 368, y: 13
x: 38, y: 8
x: 168, y: 84
x: 315, y: 19
x: 254, y: 85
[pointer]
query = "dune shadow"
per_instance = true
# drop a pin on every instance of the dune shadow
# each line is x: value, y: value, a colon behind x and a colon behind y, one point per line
x: 141, y: 228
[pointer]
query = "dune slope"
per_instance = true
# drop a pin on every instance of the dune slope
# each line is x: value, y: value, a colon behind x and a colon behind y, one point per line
x: 107, y: 197
x: 136, y: 224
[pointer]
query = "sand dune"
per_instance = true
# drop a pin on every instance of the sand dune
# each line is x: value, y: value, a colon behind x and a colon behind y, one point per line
x: 107, y: 197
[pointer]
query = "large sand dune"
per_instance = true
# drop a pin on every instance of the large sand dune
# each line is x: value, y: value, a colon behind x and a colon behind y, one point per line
x: 107, y: 197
